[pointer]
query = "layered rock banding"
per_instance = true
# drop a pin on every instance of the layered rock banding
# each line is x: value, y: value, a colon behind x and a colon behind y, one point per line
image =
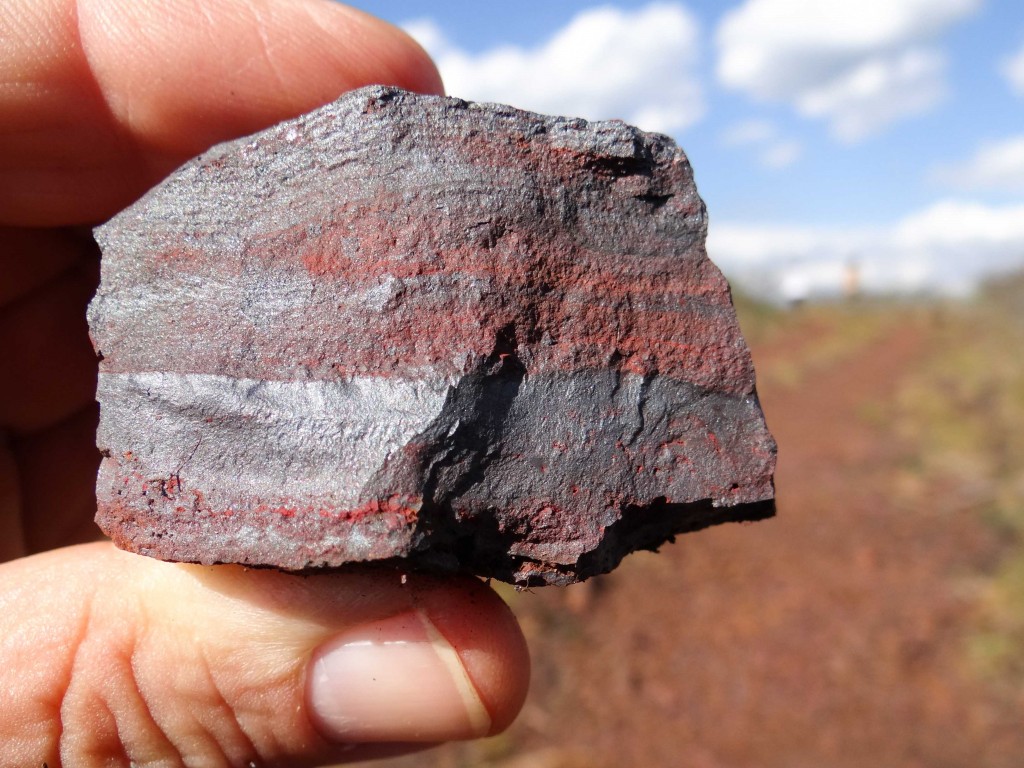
x: 411, y: 328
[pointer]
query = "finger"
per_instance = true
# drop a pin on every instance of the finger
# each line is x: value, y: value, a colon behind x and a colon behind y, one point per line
x: 30, y: 258
x: 12, y: 539
x: 110, y: 658
x: 56, y: 472
x: 101, y: 98
x: 49, y: 367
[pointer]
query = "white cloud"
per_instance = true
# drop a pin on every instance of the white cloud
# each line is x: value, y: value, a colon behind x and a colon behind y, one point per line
x: 995, y: 166
x: 860, y: 65
x: 781, y: 154
x: 1013, y: 70
x: 773, y: 151
x: 738, y: 247
x: 880, y: 91
x: 945, y: 248
x: 428, y: 34
x: 639, y: 66
x: 749, y: 132
x: 969, y: 230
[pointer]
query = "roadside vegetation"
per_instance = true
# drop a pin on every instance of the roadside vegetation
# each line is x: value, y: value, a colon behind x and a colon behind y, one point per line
x: 964, y: 412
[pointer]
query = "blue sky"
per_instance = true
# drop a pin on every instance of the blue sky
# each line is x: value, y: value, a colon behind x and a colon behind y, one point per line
x: 884, y: 131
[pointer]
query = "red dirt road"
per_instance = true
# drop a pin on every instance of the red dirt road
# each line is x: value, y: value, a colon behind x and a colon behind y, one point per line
x: 832, y: 635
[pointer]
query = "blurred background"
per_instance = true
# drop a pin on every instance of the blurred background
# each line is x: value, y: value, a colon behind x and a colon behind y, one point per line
x: 863, y: 167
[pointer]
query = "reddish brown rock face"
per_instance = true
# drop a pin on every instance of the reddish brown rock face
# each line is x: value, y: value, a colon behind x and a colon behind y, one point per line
x: 411, y: 327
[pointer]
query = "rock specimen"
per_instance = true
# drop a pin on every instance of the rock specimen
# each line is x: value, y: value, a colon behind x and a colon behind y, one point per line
x: 413, y: 327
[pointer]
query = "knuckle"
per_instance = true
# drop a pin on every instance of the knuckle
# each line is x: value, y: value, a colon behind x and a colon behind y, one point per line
x: 134, y: 696
x: 139, y: 671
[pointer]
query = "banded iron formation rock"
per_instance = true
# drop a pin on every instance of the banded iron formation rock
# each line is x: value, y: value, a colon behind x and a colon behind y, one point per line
x: 415, y: 329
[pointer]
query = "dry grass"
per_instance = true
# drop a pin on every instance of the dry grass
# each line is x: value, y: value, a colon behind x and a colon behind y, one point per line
x: 964, y: 411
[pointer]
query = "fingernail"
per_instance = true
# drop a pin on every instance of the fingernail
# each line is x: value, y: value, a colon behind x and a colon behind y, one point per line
x: 395, y: 680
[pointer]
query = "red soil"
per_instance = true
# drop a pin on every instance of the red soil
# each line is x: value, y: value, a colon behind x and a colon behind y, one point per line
x: 833, y: 635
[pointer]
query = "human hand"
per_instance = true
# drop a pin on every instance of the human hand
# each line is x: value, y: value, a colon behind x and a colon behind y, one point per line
x: 114, y: 659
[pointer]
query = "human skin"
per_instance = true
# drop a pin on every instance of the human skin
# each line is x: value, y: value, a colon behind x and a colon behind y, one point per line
x: 107, y: 658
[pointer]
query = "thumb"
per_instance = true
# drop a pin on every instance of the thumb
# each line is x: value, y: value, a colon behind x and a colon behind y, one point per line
x: 114, y: 659
x: 102, y: 98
